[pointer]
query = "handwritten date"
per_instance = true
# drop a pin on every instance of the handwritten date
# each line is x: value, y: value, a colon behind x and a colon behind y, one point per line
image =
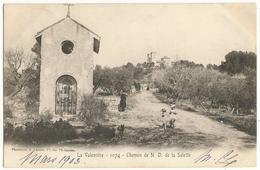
x: 34, y: 158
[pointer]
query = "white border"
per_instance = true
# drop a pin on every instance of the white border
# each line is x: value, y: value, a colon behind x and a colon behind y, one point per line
x: 127, y: 1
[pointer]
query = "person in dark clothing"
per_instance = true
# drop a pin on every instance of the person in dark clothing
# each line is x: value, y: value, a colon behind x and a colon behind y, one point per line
x: 122, y: 104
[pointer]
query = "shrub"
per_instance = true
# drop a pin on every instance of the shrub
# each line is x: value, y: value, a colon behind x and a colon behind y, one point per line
x: 203, y: 85
x: 99, y: 132
x: 137, y: 86
x: 46, y: 116
x: 7, y: 111
x: 117, y: 79
x: 244, y: 123
x: 8, y: 131
x: 92, y: 110
x: 44, y: 132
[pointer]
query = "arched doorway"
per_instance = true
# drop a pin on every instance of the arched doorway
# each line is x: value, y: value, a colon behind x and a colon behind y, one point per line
x: 66, y: 95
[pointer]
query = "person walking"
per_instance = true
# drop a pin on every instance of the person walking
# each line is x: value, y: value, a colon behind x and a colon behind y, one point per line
x: 122, y: 104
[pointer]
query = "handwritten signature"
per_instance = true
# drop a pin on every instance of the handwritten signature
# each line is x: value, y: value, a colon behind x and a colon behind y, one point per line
x: 34, y: 158
x: 226, y: 159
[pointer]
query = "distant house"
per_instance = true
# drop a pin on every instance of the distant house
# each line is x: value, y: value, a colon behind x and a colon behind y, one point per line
x: 164, y: 62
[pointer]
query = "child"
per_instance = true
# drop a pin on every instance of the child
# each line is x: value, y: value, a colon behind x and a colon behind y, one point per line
x: 164, y: 119
x: 172, y: 116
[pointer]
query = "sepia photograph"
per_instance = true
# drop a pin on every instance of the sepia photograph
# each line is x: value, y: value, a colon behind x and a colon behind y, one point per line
x: 129, y: 85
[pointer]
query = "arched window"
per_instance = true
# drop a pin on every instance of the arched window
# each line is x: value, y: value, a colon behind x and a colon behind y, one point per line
x: 66, y: 95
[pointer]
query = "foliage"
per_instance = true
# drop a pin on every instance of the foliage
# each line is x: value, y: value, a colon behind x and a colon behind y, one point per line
x: 243, y: 123
x: 212, y: 67
x: 19, y: 69
x: 117, y: 79
x: 46, y: 116
x: 123, y: 79
x: 103, y: 79
x: 41, y: 132
x: 22, y: 73
x: 186, y: 63
x: 9, y: 82
x: 99, y: 132
x: 137, y: 86
x: 92, y: 110
x: 8, y: 131
x: 202, y: 85
x: 237, y: 61
x: 7, y: 111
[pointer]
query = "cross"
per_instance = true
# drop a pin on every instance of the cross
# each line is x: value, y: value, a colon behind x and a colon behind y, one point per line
x: 68, y: 12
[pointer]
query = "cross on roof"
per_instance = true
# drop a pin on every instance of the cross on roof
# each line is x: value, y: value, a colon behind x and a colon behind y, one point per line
x: 68, y: 12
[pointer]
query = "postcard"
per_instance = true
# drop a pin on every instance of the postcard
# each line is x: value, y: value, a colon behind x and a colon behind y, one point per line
x: 129, y: 85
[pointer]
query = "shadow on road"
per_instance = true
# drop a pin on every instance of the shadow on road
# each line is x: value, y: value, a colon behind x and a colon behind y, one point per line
x: 156, y: 138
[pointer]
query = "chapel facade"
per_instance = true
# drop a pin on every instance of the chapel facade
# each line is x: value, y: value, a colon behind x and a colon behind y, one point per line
x: 67, y: 49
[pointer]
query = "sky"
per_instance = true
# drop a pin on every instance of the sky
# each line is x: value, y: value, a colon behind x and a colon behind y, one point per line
x: 203, y: 33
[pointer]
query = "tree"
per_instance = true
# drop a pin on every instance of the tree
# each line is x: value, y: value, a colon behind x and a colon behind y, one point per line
x: 138, y: 73
x: 13, y: 70
x: 187, y: 63
x: 97, y: 73
x: 212, y: 67
x: 103, y: 78
x: 22, y: 74
x: 9, y: 82
x: 129, y: 66
x: 32, y: 86
x: 237, y: 61
x: 123, y: 79
x: 117, y: 79
x: 201, y: 85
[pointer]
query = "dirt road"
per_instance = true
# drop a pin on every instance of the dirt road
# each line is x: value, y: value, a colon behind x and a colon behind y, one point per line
x: 143, y: 120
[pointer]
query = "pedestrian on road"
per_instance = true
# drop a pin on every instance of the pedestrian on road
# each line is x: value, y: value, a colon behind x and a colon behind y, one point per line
x: 122, y: 104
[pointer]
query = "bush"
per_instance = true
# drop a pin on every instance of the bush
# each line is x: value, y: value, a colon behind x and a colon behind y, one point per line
x: 92, y: 110
x: 42, y: 132
x: 8, y: 131
x: 244, y: 123
x: 236, y: 61
x: 46, y: 116
x: 203, y: 85
x: 117, y: 79
x: 99, y: 132
x: 137, y: 86
x: 7, y: 111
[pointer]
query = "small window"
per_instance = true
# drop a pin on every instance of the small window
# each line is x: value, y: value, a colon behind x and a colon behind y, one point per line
x: 67, y: 47
x: 96, y: 45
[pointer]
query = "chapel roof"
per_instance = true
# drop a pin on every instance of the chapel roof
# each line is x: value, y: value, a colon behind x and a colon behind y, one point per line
x: 52, y: 25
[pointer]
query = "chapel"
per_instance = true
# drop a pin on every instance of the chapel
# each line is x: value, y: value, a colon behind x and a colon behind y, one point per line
x: 67, y: 49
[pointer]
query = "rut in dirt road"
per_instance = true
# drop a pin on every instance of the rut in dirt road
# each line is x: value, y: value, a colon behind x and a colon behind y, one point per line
x: 143, y: 121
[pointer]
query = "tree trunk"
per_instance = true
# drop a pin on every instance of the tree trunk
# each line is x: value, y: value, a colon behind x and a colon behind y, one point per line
x: 203, y: 107
x: 237, y: 109
x: 17, y: 90
x: 232, y: 110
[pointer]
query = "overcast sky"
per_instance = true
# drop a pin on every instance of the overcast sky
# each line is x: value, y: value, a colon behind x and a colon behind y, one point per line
x: 202, y: 33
